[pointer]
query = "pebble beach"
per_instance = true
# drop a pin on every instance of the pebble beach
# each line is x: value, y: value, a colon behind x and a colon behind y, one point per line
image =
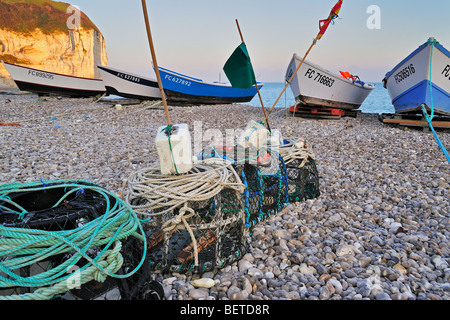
x: 378, y: 231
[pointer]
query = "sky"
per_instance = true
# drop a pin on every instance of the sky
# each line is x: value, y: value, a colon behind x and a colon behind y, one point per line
x: 196, y: 37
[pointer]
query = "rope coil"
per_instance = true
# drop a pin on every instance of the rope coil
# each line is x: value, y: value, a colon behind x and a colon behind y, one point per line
x: 93, y: 246
x: 162, y: 193
x: 189, y: 215
x: 295, y: 150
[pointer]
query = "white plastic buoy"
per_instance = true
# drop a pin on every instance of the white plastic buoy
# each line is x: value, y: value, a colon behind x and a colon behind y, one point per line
x: 275, y: 139
x: 174, y: 149
x: 254, y: 135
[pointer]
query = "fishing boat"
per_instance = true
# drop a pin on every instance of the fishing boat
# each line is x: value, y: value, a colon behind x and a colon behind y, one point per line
x: 51, y: 83
x: 129, y: 85
x: 423, y: 77
x: 183, y: 89
x: 314, y: 86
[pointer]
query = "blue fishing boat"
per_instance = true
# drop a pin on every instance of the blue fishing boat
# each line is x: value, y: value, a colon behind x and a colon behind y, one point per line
x: 182, y: 89
x: 422, y: 78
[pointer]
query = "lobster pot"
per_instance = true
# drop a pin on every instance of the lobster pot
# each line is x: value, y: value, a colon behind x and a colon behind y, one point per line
x: 301, y: 169
x: 311, y: 180
x: 264, y: 175
x: 275, y: 186
x: 54, y: 233
x: 254, y: 196
x: 202, y: 231
x: 267, y: 187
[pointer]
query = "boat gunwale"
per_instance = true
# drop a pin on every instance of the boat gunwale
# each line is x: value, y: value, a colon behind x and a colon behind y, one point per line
x: 51, y: 72
x: 409, y: 57
x: 414, y: 53
x: 366, y: 86
x: 106, y: 68
x: 199, y: 81
x: 146, y: 82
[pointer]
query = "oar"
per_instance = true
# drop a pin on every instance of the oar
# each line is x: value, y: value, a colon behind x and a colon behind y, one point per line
x: 256, y: 84
x: 155, y: 63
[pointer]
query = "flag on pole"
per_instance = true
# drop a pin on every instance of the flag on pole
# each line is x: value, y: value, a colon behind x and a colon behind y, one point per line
x: 239, y: 69
x: 324, y: 24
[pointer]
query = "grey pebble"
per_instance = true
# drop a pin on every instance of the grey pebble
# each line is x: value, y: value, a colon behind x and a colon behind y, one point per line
x: 383, y: 213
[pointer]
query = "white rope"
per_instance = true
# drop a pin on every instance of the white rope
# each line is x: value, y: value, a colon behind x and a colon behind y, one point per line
x: 164, y: 193
x: 296, y: 150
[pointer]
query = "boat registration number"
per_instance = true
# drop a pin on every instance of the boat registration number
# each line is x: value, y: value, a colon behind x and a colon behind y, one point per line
x: 178, y: 80
x: 320, y: 78
x: 446, y: 72
x: 41, y: 74
x: 128, y: 77
x: 405, y: 73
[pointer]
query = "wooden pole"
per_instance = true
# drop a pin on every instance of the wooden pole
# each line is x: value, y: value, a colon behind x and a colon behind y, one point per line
x: 419, y: 123
x: 155, y: 63
x: 256, y: 84
x: 292, y: 77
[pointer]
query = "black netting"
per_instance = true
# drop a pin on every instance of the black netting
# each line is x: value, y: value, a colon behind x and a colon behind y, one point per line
x: 265, y: 176
x: 303, y: 180
x: 311, y: 180
x: 138, y: 286
x: 253, y: 195
x: 266, y: 188
x: 216, y: 225
x: 41, y: 212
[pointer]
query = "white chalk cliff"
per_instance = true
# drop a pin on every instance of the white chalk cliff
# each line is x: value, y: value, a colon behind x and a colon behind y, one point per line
x: 73, y: 52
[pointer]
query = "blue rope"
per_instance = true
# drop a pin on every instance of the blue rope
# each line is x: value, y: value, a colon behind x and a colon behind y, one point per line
x: 5, y: 94
x: 429, y: 117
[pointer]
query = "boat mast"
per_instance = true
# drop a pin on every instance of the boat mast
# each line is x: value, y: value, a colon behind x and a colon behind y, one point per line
x: 155, y: 63
x: 256, y: 84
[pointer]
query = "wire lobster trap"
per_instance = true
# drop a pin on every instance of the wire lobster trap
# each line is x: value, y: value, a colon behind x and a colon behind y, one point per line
x: 193, y: 222
x: 264, y: 175
x: 70, y: 239
x: 301, y: 168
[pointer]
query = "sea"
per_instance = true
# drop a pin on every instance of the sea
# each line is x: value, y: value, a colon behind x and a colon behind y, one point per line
x: 378, y: 101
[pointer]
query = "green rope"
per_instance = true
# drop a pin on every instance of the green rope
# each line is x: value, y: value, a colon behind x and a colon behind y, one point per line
x: 169, y: 132
x: 20, y: 247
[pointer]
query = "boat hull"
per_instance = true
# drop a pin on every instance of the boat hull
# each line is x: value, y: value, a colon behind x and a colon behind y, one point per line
x: 181, y: 89
x: 50, y: 83
x: 317, y: 87
x: 128, y: 85
x: 410, y: 86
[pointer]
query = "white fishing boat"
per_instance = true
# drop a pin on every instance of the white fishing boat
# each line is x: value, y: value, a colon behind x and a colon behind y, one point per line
x: 317, y: 87
x: 423, y: 77
x: 129, y: 85
x: 51, y: 83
